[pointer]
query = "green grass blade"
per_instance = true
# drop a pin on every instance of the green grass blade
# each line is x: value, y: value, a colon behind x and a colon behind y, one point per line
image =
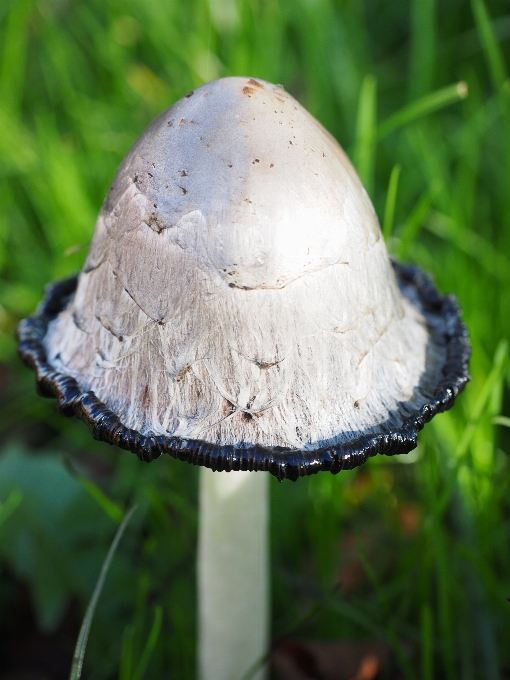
x: 427, y: 643
x: 81, y: 645
x: 491, y: 383
x: 422, y: 52
x: 109, y: 507
x: 498, y: 72
x: 413, y: 224
x: 495, y: 262
x: 496, y: 374
x: 422, y: 107
x: 150, y: 644
x: 14, y: 53
x: 364, y: 151
x: 372, y: 576
x: 490, y: 46
x: 444, y: 602
x: 391, y: 197
x: 384, y: 608
x: 126, y: 658
x: 501, y: 420
x: 352, y: 613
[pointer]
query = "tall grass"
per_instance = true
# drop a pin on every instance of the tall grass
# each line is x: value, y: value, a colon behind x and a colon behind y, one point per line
x: 418, y: 94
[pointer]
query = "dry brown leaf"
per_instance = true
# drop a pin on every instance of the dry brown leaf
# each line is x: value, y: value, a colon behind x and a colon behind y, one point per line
x: 299, y: 660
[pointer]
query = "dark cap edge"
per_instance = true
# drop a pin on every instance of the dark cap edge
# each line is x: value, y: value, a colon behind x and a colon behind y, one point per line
x: 283, y: 463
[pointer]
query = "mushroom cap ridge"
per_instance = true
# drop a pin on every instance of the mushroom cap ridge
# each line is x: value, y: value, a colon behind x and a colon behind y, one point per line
x: 275, y: 323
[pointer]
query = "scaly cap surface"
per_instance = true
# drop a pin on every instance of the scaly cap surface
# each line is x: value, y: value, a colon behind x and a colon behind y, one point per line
x: 238, y: 291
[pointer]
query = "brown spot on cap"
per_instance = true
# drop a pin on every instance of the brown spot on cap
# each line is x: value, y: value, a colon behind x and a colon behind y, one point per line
x: 264, y: 365
x: 248, y: 90
x: 181, y: 374
x: 190, y: 94
x: 228, y: 407
x: 256, y: 83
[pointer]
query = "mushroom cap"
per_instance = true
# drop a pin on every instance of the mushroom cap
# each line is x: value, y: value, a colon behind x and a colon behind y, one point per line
x: 238, y: 308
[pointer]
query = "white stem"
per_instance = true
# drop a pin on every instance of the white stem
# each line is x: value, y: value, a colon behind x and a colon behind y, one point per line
x: 233, y: 579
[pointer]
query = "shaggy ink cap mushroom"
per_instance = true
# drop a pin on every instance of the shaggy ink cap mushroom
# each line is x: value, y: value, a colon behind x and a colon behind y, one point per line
x: 238, y: 309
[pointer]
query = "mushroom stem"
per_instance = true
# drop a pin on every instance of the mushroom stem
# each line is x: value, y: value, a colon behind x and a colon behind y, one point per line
x: 233, y: 579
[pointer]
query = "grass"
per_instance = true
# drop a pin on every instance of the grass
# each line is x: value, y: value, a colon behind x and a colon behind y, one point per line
x: 418, y: 94
x: 81, y: 645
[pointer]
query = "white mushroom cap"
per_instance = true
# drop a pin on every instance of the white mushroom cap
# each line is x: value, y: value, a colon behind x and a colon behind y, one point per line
x: 238, y: 290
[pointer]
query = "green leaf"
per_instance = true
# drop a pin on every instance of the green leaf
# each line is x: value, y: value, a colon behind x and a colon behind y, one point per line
x: 10, y: 505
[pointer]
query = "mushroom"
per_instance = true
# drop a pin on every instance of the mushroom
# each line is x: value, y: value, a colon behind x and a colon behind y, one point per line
x: 238, y: 310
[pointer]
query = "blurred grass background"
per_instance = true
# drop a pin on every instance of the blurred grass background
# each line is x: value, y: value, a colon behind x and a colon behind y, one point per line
x: 418, y: 94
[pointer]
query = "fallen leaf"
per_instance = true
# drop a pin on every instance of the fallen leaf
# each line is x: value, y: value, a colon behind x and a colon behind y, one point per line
x: 294, y: 659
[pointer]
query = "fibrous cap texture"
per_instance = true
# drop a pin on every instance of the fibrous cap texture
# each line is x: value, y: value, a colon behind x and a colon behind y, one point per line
x: 238, y: 291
